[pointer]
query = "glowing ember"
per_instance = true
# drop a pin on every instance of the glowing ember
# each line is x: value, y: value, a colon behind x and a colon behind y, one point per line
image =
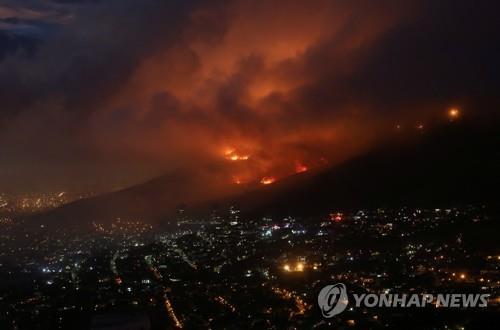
x: 268, y: 180
x: 453, y: 113
x: 299, y: 168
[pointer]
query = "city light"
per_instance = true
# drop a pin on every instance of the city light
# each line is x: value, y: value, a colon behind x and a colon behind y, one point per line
x: 299, y: 267
x: 336, y: 217
x: 453, y: 113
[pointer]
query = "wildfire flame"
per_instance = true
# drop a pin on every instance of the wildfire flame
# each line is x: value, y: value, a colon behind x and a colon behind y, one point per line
x: 268, y: 180
x: 299, y: 167
x: 231, y: 154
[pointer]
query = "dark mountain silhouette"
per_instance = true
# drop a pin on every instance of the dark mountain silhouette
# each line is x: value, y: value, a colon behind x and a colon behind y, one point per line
x: 453, y: 163
x: 149, y: 201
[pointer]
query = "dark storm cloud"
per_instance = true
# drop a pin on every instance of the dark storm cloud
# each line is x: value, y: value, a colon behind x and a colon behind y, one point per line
x: 47, y: 96
x: 10, y: 45
x: 175, y: 82
x: 97, y: 47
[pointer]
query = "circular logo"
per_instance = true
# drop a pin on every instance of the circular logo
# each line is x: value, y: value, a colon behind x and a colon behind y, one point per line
x: 332, y: 299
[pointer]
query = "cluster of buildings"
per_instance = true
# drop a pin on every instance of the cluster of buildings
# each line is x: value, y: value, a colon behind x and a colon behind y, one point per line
x: 229, y: 270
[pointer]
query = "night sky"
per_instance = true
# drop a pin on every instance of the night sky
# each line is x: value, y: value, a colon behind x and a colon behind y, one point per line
x: 97, y: 95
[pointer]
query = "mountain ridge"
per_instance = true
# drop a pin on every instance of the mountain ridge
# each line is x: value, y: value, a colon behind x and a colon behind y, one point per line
x: 455, y: 163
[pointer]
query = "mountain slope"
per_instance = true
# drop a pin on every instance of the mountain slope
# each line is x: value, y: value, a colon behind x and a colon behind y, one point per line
x: 456, y: 163
x: 149, y: 201
x: 453, y: 164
